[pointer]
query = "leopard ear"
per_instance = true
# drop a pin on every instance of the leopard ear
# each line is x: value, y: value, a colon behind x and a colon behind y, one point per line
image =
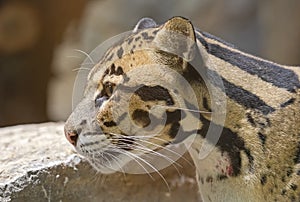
x: 144, y: 23
x: 177, y: 36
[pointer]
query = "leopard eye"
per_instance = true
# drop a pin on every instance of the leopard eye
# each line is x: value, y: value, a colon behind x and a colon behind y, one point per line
x: 109, y: 88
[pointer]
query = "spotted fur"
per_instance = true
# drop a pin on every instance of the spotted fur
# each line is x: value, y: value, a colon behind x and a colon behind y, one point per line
x: 257, y: 157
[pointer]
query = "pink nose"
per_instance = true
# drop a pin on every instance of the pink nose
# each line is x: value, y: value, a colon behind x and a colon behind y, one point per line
x: 71, y: 136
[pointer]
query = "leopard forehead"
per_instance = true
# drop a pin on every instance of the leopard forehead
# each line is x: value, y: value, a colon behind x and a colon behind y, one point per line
x: 126, y: 54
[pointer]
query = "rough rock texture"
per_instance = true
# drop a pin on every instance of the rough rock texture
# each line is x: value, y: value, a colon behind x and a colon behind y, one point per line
x: 38, y: 164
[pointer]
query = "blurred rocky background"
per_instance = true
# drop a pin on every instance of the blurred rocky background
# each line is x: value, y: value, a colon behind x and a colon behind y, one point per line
x: 39, y: 42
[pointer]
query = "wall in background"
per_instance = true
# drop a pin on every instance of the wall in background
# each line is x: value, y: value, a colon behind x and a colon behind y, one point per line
x: 29, y: 32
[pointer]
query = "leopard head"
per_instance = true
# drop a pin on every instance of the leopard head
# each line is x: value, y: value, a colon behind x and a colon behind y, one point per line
x: 142, y: 96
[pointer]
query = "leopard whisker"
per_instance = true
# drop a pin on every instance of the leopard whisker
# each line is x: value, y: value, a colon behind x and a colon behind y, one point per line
x: 127, y: 154
x: 169, y: 150
x: 140, y: 136
x: 143, y: 149
x: 157, y: 153
x: 173, y: 163
x: 80, y: 68
x: 86, y: 54
x: 184, y: 109
x: 162, y: 147
x: 117, y: 160
x: 87, y: 63
x: 96, y: 160
x: 107, y: 160
x: 151, y: 166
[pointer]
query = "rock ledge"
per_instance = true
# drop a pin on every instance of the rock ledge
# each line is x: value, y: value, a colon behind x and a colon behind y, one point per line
x: 38, y: 164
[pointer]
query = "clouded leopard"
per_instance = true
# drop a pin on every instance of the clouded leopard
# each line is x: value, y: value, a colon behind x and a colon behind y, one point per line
x: 162, y: 85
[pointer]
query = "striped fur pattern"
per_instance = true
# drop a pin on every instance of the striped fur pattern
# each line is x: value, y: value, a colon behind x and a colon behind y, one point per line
x: 257, y: 157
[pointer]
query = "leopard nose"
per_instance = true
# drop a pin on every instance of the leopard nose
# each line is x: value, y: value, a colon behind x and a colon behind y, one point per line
x: 71, y: 136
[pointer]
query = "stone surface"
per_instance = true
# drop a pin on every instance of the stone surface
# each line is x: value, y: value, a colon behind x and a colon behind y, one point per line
x: 38, y: 164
